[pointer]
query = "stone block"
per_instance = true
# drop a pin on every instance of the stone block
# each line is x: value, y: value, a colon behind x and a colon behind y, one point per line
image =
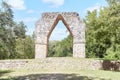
x: 40, y: 51
x: 79, y: 50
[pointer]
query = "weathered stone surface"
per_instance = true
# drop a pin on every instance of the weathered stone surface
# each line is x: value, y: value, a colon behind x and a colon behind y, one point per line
x: 47, y: 23
x: 40, y: 51
x: 78, y: 50
x: 58, y: 64
x: 12, y: 64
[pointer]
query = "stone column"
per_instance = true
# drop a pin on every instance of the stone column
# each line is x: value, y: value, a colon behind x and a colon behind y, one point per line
x: 40, y: 45
x: 40, y: 51
x: 79, y: 50
x: 79, y: 41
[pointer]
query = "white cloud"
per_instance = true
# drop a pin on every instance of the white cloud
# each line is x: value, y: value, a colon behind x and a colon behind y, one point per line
x: 59, y: 33
x: 17, y: 4
x: 96, y: 7
x: 55, y: 3
x: 28, y: 19
x: 30, y: 11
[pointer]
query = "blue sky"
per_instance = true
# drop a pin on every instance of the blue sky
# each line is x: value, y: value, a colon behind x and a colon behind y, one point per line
x: 29, y: 11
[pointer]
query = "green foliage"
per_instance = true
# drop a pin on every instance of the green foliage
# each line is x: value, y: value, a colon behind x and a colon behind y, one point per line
x: 6, y: 32
x: 25, y: 48
x: 61, y: 48
x: 113, y: 52
x: 20, y: 30
x: 103, y: 32
x: 14, y: 43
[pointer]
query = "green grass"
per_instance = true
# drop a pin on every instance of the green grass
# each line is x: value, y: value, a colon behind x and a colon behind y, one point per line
x: 20, y: 74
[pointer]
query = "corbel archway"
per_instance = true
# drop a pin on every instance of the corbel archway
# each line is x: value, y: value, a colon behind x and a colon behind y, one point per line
x: 59, y: 18
x: 47, y: 23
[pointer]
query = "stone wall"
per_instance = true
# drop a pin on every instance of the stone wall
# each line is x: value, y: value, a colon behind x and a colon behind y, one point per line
x: 12, y: 64
x: 61, y: 63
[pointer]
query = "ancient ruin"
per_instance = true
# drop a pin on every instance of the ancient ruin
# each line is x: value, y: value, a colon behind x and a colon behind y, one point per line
x: 47, y: 23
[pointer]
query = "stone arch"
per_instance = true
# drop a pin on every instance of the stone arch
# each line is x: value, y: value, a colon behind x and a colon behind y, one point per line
x: 47, y: 23
x: 59, y: 17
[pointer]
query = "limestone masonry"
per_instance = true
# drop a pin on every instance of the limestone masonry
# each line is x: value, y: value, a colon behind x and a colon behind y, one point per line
x: 60, y: 64
x: 47, y: 23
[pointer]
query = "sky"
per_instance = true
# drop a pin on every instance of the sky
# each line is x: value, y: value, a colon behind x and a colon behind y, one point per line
x: 29, y: 11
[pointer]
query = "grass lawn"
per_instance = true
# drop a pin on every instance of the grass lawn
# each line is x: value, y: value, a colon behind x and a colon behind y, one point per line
x: 58, y: 75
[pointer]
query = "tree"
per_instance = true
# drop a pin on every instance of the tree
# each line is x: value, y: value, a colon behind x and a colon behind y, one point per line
x: 61, y: 48
x: 103, y: 31
x: 14, y: 43
x: 25, y: 47
x: 20, y: 30
x: 6, y: 31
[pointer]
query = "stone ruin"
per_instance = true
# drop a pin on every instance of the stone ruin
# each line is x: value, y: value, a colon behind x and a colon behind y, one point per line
x: 47, y: 23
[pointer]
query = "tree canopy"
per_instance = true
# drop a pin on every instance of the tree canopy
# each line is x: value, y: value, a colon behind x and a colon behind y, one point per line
x: 14, y: 43
x: 103, y: 32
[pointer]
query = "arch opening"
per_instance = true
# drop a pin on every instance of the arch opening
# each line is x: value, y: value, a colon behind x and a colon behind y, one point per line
x: 60, y: 40
x: 59, y: 17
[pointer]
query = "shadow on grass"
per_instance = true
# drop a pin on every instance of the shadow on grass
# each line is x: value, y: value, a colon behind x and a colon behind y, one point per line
x: 55, y: 77
x: 2, y: 72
